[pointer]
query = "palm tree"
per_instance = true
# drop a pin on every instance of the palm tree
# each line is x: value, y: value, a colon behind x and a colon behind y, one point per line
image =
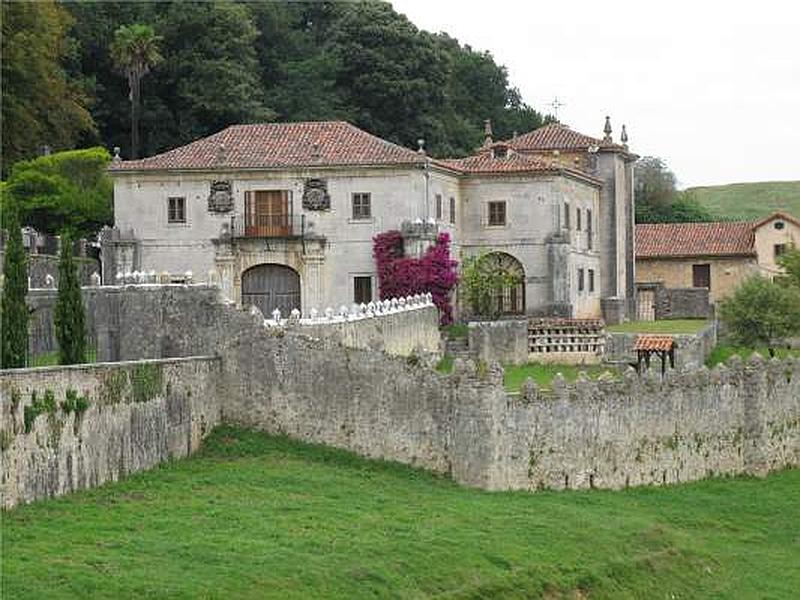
x: 134, y: 51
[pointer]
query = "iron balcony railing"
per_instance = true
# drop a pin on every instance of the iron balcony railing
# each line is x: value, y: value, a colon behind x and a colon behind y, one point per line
x: 268, y: 226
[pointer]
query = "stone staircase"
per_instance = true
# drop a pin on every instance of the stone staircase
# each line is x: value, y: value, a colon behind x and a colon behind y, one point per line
x: 457, y: 348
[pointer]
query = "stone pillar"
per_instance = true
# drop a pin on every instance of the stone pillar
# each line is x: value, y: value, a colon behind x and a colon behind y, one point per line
x: 313, y: 292
x: 558, y: 251
x: 225, y: 264
x: 754, y: 393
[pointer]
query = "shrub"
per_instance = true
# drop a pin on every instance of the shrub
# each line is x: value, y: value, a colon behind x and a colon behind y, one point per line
x: 761, y: 312
x: 434, y: 272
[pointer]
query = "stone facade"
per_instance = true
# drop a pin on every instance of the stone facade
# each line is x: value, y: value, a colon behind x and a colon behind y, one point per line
x: 726, y: 272
x: 330, y: 248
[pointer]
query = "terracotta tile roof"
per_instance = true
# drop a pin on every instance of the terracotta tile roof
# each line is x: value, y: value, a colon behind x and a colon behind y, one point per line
x: 775, y: 216
x: 664, y: 240
x: 269, y: 145
x: 485, y: 163
x: 654, y: 342
x: 556, y: 136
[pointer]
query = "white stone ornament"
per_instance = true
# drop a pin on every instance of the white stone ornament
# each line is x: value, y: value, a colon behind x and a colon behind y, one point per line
x: 95, y: 279
x: 329, y: 312
x: 313, y: 313
x: 188, y: 277
x: 343, y: 311
x: 294, y: 316
x: 276, y: 315
x: 120, y: 277
x: 49, y: 281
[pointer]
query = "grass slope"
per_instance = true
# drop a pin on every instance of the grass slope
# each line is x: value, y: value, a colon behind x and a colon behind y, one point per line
x: 750, y: 201
x: 665, y: 326
x: 257, y: 517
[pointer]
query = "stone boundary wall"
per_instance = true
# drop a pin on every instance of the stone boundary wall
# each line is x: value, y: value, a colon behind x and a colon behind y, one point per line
x: 42, y: 265
x: 739, y: 418
x: 402, y: 327
x: 691, y: 349
x: 735, y: 419
x: 122, y: 322
x: 137, y: 415
x: 503, y: 341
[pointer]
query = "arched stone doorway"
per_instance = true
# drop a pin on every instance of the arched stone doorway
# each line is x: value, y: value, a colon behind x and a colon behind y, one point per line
x: 508, y: 299
x: 271, y: 286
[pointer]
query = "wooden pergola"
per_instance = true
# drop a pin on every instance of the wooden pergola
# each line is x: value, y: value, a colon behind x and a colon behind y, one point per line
x: 662, y: 346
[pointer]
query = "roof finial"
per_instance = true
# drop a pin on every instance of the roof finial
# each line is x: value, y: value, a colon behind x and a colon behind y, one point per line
x: 487, y: 132
x: 315, y: 153
x: 607, y: 130
x: 116, y: 154
x: 221, y: 155
x: 421, y: 146
x: 624, y: 136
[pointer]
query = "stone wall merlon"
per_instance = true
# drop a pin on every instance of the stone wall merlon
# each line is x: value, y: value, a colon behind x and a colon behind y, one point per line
x: 353, y: 313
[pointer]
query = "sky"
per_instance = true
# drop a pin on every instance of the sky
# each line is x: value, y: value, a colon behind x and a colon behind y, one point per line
x: 711, y: 87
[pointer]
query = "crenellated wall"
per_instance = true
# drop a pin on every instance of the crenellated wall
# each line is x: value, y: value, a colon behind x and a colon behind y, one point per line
x: 738, y: 418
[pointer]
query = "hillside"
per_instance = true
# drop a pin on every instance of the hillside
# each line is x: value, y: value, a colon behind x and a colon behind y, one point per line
x: 253, y: 516
x: 749, y: 201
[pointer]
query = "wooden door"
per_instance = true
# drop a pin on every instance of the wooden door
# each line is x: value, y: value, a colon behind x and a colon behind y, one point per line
x: 646, y: 305
x: 267, y: 213
x: 271, y: 286
x: 701, y: 276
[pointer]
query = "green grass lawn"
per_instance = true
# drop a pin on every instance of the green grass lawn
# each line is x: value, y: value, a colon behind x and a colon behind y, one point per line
x: 258, y: 517
x: 750, y: 201
x: 722, y: 353
x: 663, y: 326
x: 49, y: 359
x: 543, y: 375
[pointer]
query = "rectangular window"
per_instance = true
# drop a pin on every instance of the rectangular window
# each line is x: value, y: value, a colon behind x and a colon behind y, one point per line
x: 591, y: 280
x: 566, y: 216
x: 452, y: 210
x: 497, y: 213
x: 438, y: 207
x: 780, y: 250
x: 362, y: 289
x: 580, y: 280
x: 578, y: 219
x: 176, y: 210
x: 701, y: 276
x: 362, y: 205
x: 589, y: 229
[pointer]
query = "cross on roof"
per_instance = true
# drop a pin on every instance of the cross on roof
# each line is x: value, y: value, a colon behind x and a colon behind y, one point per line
x: 555, y: 105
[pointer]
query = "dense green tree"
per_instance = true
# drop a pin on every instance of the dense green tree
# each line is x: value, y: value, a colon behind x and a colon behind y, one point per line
x: 15, y: 288
x: 658, y: 199
x: 69, y: 314
x: 230, y: 62
x: 212, y: 76
x: 790, y: 261
x: 41, y: 106
x: 65, y: 189
x: 135, y: 51
x: 760, y: 313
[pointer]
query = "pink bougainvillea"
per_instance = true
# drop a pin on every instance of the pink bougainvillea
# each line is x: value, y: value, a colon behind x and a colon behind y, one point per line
x: 434, y: 272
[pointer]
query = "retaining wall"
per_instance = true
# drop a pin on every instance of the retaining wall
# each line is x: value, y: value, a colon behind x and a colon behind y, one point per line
x: 138, y: 414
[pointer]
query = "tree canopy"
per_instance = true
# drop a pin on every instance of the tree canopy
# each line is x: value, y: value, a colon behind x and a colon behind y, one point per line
x: 658, y: 199
x: 231, y: 62
x: 41, y: 105
x: 65, y: 189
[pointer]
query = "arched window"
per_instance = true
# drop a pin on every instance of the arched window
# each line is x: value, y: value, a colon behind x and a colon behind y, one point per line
x: 507, y: 299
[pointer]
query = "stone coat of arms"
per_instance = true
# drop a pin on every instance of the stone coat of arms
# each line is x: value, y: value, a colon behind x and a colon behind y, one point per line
x: 220, y: 199
x: 315, y: 195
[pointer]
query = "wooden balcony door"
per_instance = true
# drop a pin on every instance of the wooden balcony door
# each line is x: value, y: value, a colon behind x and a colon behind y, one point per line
x: 267, y: 213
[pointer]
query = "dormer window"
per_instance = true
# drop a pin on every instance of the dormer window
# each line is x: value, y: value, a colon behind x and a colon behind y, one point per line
x: 500, y: 151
